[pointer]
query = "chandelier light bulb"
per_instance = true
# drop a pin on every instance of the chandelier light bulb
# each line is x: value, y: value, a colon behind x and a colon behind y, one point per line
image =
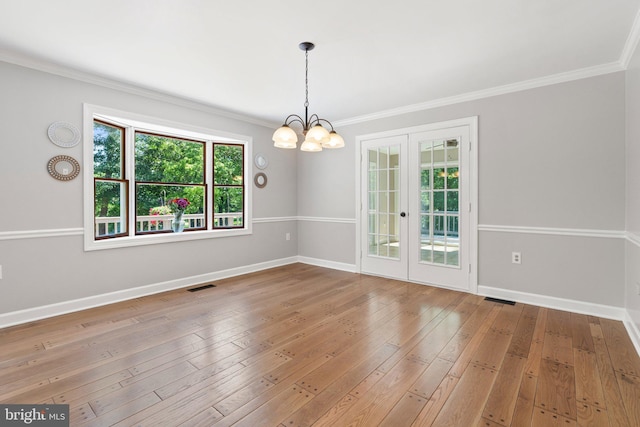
x: 311, y: 146
x: 285, y: 137
x: 335, y: 141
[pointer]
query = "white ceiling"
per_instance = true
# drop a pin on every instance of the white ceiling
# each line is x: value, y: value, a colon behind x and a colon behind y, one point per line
x: 370, y: 56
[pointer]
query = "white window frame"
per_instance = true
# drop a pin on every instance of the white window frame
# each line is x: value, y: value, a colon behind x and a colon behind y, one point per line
x: 129, y: 121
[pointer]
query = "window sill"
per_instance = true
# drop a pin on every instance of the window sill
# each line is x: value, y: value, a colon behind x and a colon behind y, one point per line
x: 152, y: 239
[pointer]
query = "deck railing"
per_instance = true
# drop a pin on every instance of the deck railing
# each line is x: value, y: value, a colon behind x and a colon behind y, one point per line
x: 108, y: 226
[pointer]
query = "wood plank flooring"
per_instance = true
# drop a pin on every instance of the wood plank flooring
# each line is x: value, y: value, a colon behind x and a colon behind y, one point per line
x: 306, y: 346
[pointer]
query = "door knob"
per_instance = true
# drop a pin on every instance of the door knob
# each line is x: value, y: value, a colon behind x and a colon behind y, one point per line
x: 403, y: 214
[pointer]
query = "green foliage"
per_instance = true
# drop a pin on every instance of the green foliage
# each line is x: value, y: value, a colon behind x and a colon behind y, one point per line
x: 160, y: 159
x: 165, y: 168
x: 107, y: 151
x: 163, y: 159
x: 107, y: 163
x: 228, y: 173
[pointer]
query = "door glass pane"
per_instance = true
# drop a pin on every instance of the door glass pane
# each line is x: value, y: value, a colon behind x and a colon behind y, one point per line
x: 373, y: 181
x: 425, y: 202
x: 394, y: 157
x: 439, y: 178
x: 384, y: 201
x: 373, y: 160
x: 452, y: 177
x: 383, y: 156
x: 452, y: 240
x: 383, y: 183
x: 452, y: 201
x: 425, y: 179
x: 373, y: 201
x: 394, y: 201
x: 383, y: 246
x: 394, y: 246
x: 383, y: 221
x: 383, y: 206
x: 439, y: 201
x: 373, y: 247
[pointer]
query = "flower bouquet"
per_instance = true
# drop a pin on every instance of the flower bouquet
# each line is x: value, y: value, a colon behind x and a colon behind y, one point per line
x: 177, y: 206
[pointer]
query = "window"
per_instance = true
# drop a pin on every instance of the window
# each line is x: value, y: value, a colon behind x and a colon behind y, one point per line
x: 228, y: 185
x: 138, y: 167
x: 168, y: 168
x: 110, y: 187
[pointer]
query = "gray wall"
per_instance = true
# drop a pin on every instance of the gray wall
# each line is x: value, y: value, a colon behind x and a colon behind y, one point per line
x: 47, y: 270
x: 633, y: 188
x: 551, y: 157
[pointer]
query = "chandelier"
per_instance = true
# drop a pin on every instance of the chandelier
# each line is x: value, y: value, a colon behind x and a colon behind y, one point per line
x: 316, y: 137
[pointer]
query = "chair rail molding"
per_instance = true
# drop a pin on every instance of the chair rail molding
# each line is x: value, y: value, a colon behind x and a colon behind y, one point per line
x: 578, y: 232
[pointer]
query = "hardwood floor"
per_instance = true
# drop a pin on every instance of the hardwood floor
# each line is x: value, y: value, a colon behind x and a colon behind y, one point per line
x: 302, y: 345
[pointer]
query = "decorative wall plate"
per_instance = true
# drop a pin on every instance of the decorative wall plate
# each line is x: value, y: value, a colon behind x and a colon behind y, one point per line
x: 64, y: 134
x: 63, y: 168
x: 260, y: 180
x: 261, y: 161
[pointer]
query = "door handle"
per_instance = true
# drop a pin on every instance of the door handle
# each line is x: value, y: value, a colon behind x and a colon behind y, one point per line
x: 403, y: 214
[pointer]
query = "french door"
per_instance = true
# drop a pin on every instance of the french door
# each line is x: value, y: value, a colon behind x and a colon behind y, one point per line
x: 415, y: 217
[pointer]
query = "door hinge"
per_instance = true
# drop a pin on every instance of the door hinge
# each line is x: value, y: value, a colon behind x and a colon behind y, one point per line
x: 469, y: 268
x: 469, y: 207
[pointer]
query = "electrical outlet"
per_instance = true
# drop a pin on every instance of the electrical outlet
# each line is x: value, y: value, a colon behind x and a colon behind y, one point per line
x: 516, y: 258
x: 287, y: 236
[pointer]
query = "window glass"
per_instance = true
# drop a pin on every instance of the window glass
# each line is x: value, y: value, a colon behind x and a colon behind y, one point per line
x: 167, y: 169
x: 166, y: 166
x: 228, y: 181
x: 109, y: 184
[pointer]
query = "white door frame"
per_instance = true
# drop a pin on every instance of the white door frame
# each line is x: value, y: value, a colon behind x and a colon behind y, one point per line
x: 472, y: 122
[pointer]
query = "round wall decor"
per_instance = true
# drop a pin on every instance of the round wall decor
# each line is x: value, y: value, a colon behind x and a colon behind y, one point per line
x: 64, y: 134
x: 261, y: 161
x: 63, y: 168
x: 260, y: 180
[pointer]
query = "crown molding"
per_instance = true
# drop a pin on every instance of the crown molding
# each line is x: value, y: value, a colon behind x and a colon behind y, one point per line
x: 631, y: 43
x: 91, y: 78
x: 582, y: 73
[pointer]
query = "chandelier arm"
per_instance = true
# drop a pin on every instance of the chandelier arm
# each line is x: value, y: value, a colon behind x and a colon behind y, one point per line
x: 318, y: 120
x: 296, y: 118
x: 313, y: 119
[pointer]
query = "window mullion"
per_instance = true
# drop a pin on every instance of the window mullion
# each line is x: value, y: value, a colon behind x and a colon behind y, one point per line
x: 130, y: 175
x: 208, y: 176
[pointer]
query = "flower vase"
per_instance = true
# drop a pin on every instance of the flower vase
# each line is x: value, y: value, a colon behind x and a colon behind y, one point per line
x: 178, y: 224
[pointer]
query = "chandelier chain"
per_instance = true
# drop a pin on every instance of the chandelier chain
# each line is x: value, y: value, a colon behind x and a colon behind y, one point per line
x: 306, y: 79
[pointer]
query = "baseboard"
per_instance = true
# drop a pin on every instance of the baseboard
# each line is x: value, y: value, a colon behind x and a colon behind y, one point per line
x: 632, y: 329
x: 582, y: 307
x: 37, y: 313
x: 351, y: 268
